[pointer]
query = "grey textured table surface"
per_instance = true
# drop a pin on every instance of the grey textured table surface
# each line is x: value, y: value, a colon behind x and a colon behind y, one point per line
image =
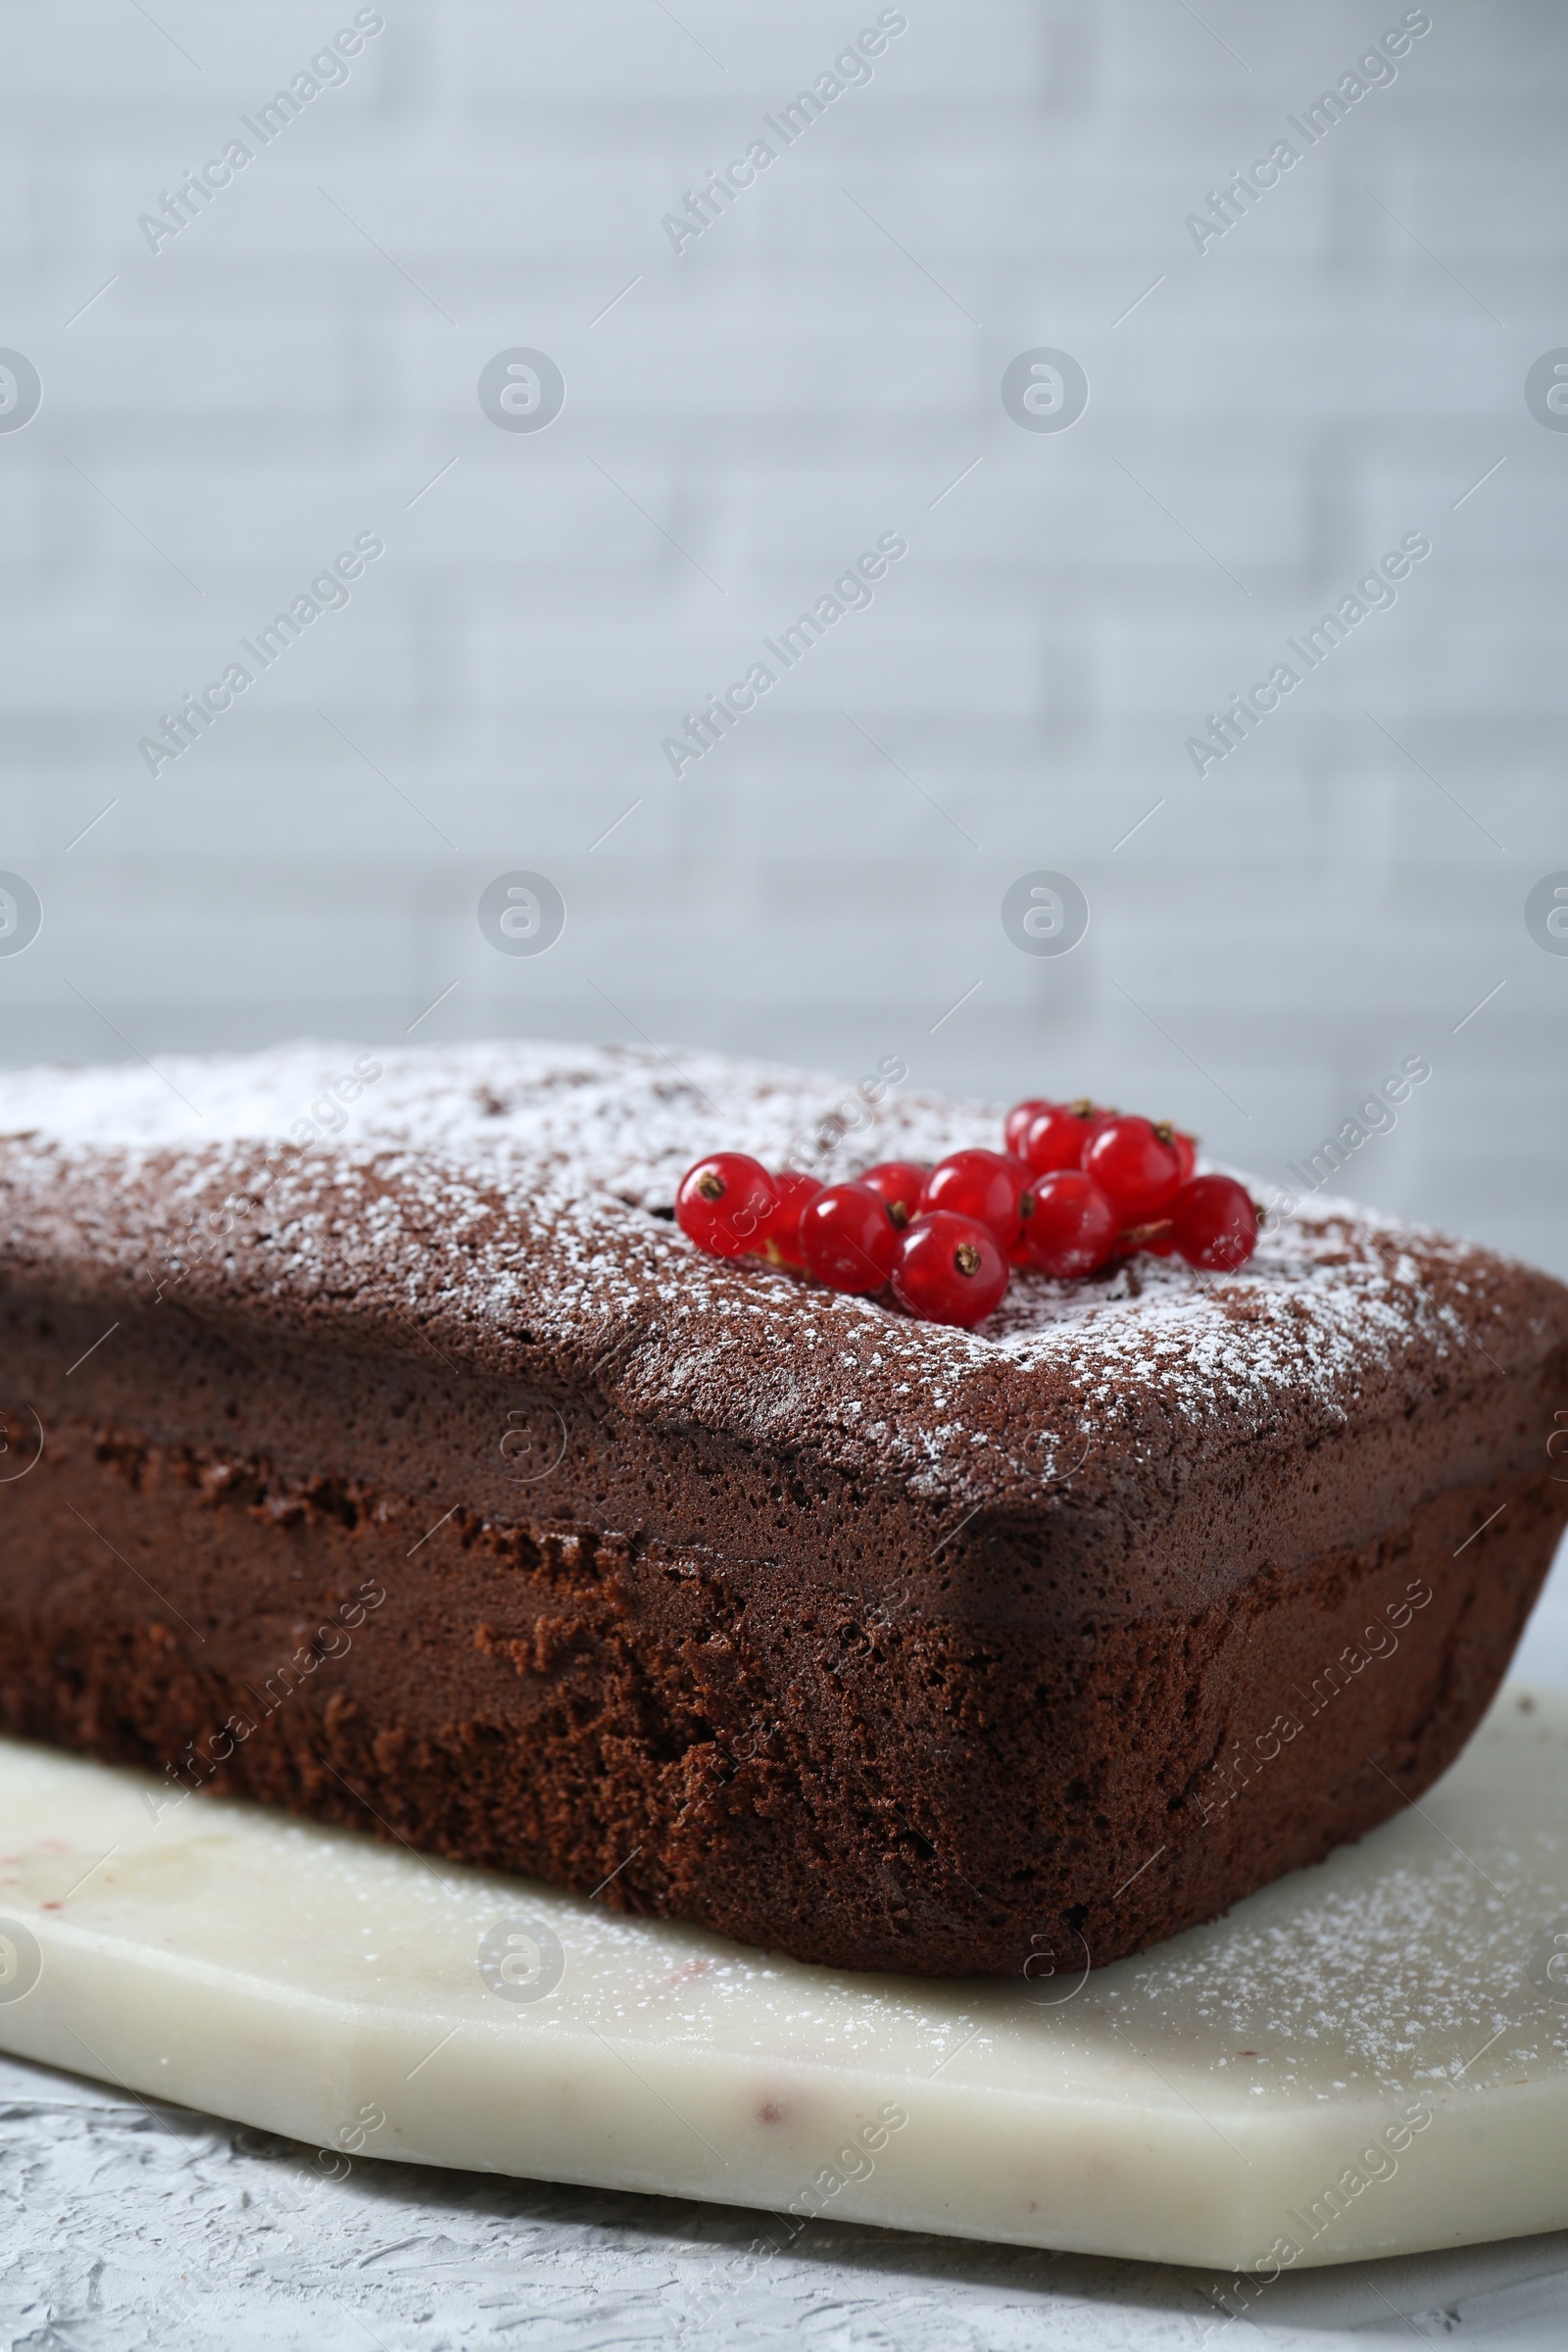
x: 124, y: 2225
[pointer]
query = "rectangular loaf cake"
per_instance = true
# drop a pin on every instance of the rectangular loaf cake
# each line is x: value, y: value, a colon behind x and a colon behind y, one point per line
x: 377, y: 1443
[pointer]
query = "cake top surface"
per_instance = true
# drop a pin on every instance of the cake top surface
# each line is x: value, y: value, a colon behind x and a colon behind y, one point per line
x: 501, y: 1204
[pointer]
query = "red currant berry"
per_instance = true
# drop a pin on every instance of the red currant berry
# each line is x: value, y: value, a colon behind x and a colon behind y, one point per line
x: 1020, y: 1118
x: 1137, y: 1166
x: 948, y: 1270
x: 1075, y: 1228
x: 984, y: 1185
x: 900, y: 1183
x: 724, y: 1203
x: 847, y: 1238
x: 1055, y: 1140
x: 1214, y: 1224
x: 783, y: 1238
x: 1186, y: 1148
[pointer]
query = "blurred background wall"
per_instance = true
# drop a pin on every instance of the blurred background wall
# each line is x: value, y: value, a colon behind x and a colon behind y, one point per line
x: 1283, y: 384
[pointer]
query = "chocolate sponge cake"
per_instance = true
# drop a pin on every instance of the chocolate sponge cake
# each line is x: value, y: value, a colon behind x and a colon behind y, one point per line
x: 375, y: 1443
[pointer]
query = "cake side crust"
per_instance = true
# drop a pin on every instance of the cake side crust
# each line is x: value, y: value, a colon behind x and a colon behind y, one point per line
x: 762, y: 1754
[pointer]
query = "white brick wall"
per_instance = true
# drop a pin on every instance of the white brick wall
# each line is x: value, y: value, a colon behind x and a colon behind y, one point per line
x: 1321, y: 380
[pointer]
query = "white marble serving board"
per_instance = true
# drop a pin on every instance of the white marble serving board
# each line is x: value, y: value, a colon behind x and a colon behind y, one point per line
x: 1368, y: 2058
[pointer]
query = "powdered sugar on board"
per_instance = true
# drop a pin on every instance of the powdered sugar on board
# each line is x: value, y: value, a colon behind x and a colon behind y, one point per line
x: 502, y: 1201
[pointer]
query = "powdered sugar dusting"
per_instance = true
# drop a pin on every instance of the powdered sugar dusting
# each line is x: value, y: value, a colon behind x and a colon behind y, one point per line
x: 501, y: 1200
